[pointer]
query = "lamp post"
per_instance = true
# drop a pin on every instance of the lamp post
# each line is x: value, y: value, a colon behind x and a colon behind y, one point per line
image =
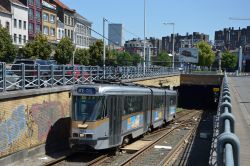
x: 171, y: 23
x: 74, y: 40
x: 144, y: 41
x: 104, y: 51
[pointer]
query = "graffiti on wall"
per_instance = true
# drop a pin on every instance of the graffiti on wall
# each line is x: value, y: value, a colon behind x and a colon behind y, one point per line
x: 12, y: 128
x: 28, y: 125
x: 45, y: 115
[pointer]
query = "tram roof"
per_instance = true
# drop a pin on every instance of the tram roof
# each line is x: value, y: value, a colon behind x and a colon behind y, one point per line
x: 114, y: 89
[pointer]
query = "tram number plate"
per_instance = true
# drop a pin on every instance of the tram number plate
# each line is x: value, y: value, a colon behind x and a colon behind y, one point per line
x: 82, y: 131
x: 83, y: 90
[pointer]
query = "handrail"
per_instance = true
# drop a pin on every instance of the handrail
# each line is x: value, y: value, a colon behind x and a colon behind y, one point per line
x: 228, y: 144
x: 25, y: 76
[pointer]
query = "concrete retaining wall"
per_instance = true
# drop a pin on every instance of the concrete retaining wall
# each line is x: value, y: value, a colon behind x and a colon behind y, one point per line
x: 171, y: 81
x: 33, y: 118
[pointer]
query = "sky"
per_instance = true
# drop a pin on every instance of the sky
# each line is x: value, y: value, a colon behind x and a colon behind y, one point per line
x: 204, y: 16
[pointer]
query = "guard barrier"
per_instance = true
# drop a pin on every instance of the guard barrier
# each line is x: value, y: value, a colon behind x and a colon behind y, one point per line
x: 228, y: 144
x: 27, y: 76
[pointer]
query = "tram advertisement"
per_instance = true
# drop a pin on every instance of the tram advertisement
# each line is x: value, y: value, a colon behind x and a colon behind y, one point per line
x: 134, y: 122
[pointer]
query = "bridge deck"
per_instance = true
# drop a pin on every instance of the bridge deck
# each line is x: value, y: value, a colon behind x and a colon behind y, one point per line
x: 240, y: 90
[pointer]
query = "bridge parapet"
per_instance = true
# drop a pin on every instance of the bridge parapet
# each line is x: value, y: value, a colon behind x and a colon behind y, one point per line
x: 226, y: 145
x: 26, y: 76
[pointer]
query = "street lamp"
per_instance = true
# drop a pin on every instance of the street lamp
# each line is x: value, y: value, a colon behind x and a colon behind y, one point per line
x: 74, y: 40
x: 144, y: 42
x: 104, y: 52
x: 171, y: 23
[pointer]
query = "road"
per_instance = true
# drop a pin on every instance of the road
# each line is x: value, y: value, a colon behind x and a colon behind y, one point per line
x: 240, y: 92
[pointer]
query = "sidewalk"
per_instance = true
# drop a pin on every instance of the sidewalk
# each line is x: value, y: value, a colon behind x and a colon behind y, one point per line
x: 240, y: 95
x: 40, y: 159
x: 36, y: 157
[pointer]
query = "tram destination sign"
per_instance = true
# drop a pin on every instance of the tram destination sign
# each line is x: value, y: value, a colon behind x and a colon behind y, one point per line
x: 86, y: 90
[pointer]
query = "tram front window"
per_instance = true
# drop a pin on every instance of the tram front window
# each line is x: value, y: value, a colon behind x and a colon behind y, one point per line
x: 88, y: 108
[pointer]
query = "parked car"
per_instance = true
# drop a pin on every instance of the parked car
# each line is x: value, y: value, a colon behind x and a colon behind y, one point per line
x: 31, y: 69
x: 78, y: 72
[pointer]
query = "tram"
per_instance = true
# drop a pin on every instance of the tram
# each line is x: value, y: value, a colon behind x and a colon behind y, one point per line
x: 109, y: 115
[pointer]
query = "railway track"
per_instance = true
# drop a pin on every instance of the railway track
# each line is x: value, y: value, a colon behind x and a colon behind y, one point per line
x: 180, y: 117
x: 181, y: 121
x: 140, y: 155
x: 90, y: 159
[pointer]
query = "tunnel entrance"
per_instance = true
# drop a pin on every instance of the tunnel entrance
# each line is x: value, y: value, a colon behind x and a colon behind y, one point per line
x: 204, y: 98
x: 198, y: 97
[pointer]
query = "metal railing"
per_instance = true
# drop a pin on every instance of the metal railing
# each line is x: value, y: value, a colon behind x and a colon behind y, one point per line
x: 228, y: 144
x: 25, y: 76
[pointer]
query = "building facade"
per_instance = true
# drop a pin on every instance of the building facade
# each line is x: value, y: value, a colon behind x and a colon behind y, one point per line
x: 69, y: 24
x: 186, y: 41
x: 136, y: 46
x: 231, y: 39
x: 66, y: 16
x: 82, y: 31
x: 115, y: 34
x: 18, y: 26
x: 157, y: 44
x: 60, y: 30
x: 5, y: 18
x: 34, y: 17
x: 49, y: 21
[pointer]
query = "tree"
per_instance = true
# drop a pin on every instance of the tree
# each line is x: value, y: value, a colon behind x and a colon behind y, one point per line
x: 7, y: 49
x: 95, y: 52
x: 228, y: 60
x: 163, y: 59
x: 64, y: 51
x: 37, y: 48
x: 111, y: 57
x: 136, y: 59
x: 206, y: 54
x: 124, y: 59
x: 82, y: 56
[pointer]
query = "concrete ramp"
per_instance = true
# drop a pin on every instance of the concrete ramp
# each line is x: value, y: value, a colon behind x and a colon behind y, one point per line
x: 136, y: 145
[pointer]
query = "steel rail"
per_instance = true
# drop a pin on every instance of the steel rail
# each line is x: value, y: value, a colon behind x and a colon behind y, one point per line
x: 168, y: 160
x: 150, y: 146
x: 174, y: 121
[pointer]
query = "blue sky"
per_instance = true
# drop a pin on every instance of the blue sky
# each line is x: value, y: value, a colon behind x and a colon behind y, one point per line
x: 205, y: 16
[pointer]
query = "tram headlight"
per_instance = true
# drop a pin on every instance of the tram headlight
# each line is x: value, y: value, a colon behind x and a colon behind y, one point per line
x: 75, y: 135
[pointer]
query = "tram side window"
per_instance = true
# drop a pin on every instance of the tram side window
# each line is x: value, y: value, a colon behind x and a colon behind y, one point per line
x: 172, y: 100
x: 158, y: 102
x: 132, y: 104
x: 103, y: 111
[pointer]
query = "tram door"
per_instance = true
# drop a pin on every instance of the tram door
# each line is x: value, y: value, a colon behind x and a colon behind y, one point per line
x: 146, y: 108
x: 115, y: 120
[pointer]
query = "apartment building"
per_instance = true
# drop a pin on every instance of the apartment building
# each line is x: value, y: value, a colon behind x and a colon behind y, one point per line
x: 231, y: 39
x: 5, y: 18
x: 59, y: 30
x: 19, y: 21
x: 183, y: 41
x: 34, y: 17
x: 65, y: 15
x: 49, y: 21
x: 82, y: 31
